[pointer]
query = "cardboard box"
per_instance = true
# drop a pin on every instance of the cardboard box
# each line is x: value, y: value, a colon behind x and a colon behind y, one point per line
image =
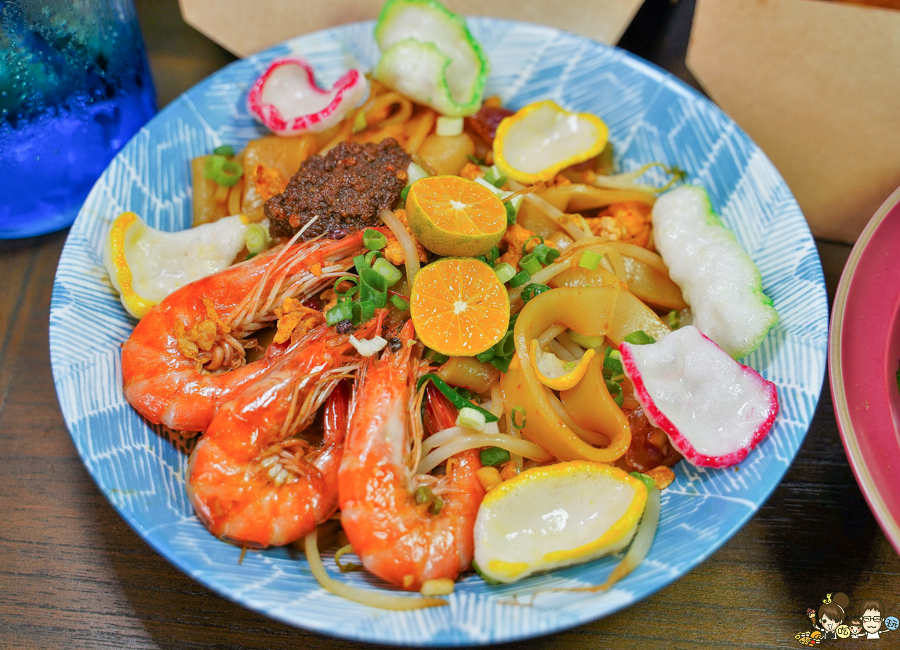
x: 817, y: 85
x: 247, y: 27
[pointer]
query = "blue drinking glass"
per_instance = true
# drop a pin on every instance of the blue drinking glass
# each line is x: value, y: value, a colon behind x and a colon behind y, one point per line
x: 74, y: 87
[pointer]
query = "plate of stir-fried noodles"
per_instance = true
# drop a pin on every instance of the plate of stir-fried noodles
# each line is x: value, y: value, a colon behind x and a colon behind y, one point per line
x: 142, y: 467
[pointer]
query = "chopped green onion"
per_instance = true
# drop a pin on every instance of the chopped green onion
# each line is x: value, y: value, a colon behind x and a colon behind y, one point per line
x: 545, y: 253
x: 512, y: 212
x: 492, y: 255
x: 530, y: 263
x: 473, y: 159
x: 371, y: 256
x: 373, y: 286
x: 587, y: 341
x: 348, y: 294
x: 465, y: 393
x: 643, y: 478
x: 533, y: 290
x: 673, y: 320
x: 436, y: 506
x: 589, y: 260
x: 517, y: 410
x: 435, y: 357
x: 224, y: 150
x: 399, y: 303
x: 512, y: 321
x: 525, y: 245
x: 455, y: 398
x: 256, y: 237
x: 501, y: 363
x: 493, y: 456
x: 360, y: 123
x: 366, y: 310
x: 415, y: 173
x: 374, y: 240
x: 403, y: 193
x: 495, y: 177
x: 341, y: 311
x: 505, y: 272
x: 640, y: 337
x: 222, y: 171
x: 520, y: 278
x: 485, y: 356
x: 447, y: 127
x: 505, y: 346
x: 613, y: 361
x: 390, y: 272
x: 615, y: 391
x: 360, y: 263
x: 469, y: 417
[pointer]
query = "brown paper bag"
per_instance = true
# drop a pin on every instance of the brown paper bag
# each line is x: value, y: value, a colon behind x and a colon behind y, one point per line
x: 817, y: 85
x: 246, y: 27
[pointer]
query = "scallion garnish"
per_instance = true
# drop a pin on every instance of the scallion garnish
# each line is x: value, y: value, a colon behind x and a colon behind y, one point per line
x: 366, y: 310
x: 390, y: 272
x: 525, y: 245
x: 455, y: 398
x: 530, y: 263
x: 435, y: 357
x: 495, y: 177
x: 485, y: 356
x: 533, y: 290
x: 399, y: 303
x: 403, y: 193
x: 518, y: 410
x: 373, y: 286
x: 256, y: 238
x: 341, y: 311
x: 374, y: 240
x: 511, y: 212
x: 222, y: 171
x: 640, y: 337
x: 589, y: 260
x: 519, y: 279
x: 545, y: 253
x: 224, y: 150
x: 501, y: 363
x: 506, y: 346
x: 492, y: 456
x: 505, y: 272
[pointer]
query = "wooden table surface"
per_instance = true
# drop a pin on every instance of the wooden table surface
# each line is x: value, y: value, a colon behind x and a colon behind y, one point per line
x: 74, y: 575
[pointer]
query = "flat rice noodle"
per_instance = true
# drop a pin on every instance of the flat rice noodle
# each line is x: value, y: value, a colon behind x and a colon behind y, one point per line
x: 591, y: 406
x: 639, y: 271
x: 606, y: 311
x: 537, y: 221
x: 577, y: 197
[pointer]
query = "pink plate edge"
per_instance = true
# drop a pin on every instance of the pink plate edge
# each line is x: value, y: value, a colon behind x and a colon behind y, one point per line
x: 855, y: 429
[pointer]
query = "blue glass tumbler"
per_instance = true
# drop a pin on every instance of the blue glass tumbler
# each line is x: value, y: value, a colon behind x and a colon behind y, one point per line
x: 74, y: 87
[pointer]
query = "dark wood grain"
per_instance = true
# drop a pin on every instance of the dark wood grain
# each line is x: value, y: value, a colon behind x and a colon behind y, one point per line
x: 74, y: 575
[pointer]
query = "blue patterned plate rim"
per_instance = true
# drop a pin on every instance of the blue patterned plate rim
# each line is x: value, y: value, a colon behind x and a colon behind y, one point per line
x: 652, y: 116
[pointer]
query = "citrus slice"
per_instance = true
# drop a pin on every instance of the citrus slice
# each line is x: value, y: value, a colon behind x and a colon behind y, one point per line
x: 459, y: 307
x: 145, y: 264
x: 454, y: 216
x: 554, y: 516
x: 543, y: 138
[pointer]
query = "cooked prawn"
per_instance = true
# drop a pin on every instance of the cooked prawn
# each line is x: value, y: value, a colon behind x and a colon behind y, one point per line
x: 251, y: 479
x: 185, y: 358
x: 396, y: 539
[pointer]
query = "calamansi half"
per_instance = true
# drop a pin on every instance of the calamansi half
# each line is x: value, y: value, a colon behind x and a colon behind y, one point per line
x: 453, y: 216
